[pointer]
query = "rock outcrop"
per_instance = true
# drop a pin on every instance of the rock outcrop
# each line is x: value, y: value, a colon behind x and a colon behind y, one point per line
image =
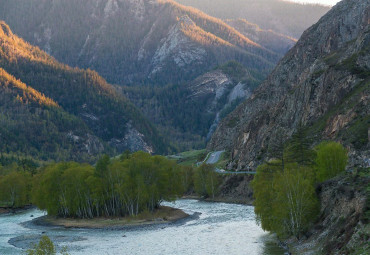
x: 322, y: 82
x: 343, y: 224
x: 189, y: 113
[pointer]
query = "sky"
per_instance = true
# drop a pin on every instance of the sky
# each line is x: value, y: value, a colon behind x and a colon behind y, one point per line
x: 326, y: 2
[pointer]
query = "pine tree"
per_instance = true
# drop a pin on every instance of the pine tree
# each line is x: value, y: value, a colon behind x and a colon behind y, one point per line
x: 299, y: 149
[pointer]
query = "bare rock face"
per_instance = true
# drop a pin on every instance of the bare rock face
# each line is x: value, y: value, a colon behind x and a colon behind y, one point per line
x: 323, y: 82
x: 341, y: 227
x: 237, y: 188
x: 132, y: 141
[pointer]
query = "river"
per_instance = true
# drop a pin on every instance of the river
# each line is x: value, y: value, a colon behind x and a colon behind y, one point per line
x: 219, y: 229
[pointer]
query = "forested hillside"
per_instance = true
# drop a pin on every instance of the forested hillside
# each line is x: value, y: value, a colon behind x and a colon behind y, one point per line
x: 94, y: 104
x: 136, y: 42
x: 189, y: 112
x: 34, y: 125
x: 280, y: 16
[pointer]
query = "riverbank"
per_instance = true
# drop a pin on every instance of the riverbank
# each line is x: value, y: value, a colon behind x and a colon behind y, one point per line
x: 7, y: 210
x: 343, y: 224
x: 234, y: 189
x: 162, y: 215
x: 219, y: 199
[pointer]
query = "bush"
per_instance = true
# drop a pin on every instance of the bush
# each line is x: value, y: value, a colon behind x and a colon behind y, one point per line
x: 44, y: 247
x: 14, y: 189
x: 331, y: 160
x: 206, y: 181
x: 285, y: 200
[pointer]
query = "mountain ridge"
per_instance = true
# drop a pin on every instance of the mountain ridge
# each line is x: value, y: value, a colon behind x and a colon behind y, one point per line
x: 285, y: 17
x: 83, y: 94
x: 156, y: 42
x: 322, y: 82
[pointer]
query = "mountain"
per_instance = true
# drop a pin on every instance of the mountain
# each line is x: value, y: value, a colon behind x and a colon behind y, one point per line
x: 138, y: 41
x: 322, y: 82
x: 280, y: 16
x: 189, y: 112
x: 266, y: 38
x: 35, y: 125
x: 85, y: 102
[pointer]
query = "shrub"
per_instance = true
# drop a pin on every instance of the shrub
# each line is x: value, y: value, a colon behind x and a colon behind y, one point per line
x: 331, y: 160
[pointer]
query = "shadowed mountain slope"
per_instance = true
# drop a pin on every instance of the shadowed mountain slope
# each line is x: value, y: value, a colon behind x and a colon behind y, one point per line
x: 323, y: 82
x: 83, y: 94
x: 131, y: 42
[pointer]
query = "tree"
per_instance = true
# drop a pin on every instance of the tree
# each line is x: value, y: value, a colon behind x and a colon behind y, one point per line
x: 331, y: 160
x: 186, y: 178
x: 102, y: 166
x: 44, y: 247
x: 15, y: 189
x: 299, y: 149
x: 285, y: 201
x: 264, y: 194
x: 200, y: 179
x: 213, y: 184
x: 296, y: 204
x: 122, y: 187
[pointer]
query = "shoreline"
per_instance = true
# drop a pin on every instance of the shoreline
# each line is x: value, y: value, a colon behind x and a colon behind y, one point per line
x: 8, y: 210
x: 163, y: 215
x: 225, y: 200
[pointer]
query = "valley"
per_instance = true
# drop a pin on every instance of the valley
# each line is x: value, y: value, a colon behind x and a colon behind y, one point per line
x: 184, y: 127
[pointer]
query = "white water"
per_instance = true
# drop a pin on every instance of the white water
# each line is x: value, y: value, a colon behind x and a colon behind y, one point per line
x: 220, y: 229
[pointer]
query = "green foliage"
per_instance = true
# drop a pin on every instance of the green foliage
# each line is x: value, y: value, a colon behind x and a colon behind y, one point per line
x: 44, y: 247
x: 187, y: 179
x: 35, y: 125
x: 190, y: 158
x: 331, y: 160
x: 49, y: 110
x: 102, y: 165
x: 238, y: 73
x: 213, y: 182
x: 295, y: 205
x: 15, y: 189
x: 357, y: 133
x: 206, y: 181
x: 299, y: 148
x: 285, y: 201
x: 264, y: 194
x: 284, y: 188
x: 200, y: 179
x: 118, y: 187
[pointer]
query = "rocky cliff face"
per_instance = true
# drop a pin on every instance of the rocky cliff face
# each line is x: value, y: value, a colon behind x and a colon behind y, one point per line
x: 190, y: 112
x: 134, y: 41
x: 322, y: 82
x: 343, y: 224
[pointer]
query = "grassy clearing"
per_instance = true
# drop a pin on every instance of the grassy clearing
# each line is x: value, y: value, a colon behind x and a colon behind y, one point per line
x: 224, y: 159
x: 189, y: 158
